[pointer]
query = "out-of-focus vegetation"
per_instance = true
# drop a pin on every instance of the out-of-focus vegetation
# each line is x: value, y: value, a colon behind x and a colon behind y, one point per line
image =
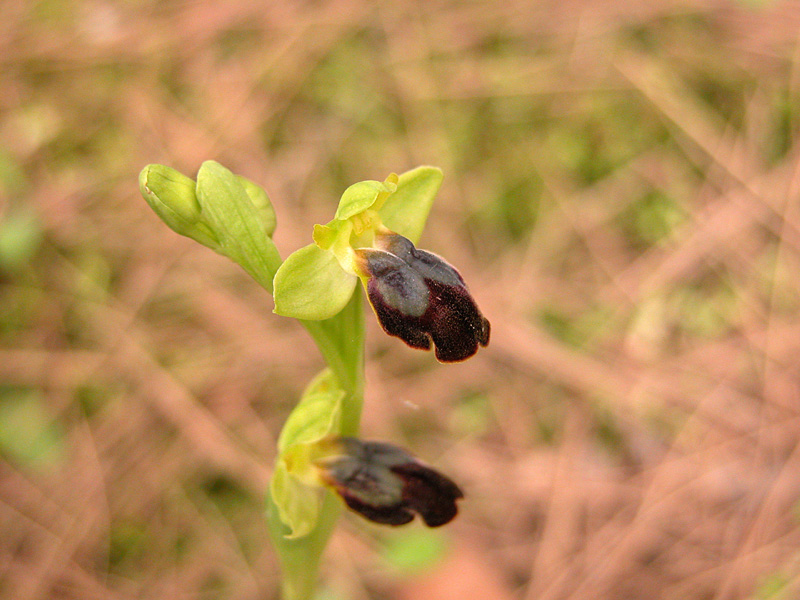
x: 621, y: 192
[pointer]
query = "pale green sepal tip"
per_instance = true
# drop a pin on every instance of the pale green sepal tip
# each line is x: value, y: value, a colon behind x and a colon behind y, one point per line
x: 261, y: 201
x: 172, y: 196
x: 298, y: 504
x: 359, y: 197
x: 311, y: 285
x: 406, y: 210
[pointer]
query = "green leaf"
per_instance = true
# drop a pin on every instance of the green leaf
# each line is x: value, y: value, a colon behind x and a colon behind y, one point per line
x: 260, y: 200
x: 406, y: 210
x: 360, y: 196
x: 229, y: 210
x: 172, y: 196
x: 312, y: 285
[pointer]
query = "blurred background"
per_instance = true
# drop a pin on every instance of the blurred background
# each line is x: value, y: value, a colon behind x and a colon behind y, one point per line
x: 620, y: 193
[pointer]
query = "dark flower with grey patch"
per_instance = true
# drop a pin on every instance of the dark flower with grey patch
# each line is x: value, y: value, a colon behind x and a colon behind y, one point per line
x: 388, y: 485
x: 422, y: 299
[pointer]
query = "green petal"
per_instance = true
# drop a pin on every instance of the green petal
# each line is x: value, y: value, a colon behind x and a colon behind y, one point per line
x: 335, y: 236
x: 360, y: 196
x: 311, y: 285
x: 229, y: 210
x: 406, y: 210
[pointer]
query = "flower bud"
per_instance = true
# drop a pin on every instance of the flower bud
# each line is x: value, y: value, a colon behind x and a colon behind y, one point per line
x: 260, y: 200
x: 172, y: 196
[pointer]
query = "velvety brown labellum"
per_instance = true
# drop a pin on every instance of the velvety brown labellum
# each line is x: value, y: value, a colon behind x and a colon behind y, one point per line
x: 423, y: 300
x: 388, y: 485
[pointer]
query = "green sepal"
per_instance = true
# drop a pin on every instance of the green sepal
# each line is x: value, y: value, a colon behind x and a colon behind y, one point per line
x: 311, y: 285
x: 298, y: 504
x: 229, y: 210
x: 362, y: 195
x: 294, y: 487
x: 261, y: 201
x: 172, y: 196
x: 316, y: 415
x: 406, y: 210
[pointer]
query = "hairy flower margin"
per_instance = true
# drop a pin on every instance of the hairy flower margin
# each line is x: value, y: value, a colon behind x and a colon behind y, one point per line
x: 416, y: 295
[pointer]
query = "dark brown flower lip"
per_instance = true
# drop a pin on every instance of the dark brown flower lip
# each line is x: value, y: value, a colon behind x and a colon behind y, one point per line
x: 422, y: 299
x: 387, y: 485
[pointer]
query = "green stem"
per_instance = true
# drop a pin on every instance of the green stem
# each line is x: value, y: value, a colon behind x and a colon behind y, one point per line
x: 300, y: 558
x: 341, y: 342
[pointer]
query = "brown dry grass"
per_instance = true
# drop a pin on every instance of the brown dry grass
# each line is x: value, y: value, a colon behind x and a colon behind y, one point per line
x: 621, y: 193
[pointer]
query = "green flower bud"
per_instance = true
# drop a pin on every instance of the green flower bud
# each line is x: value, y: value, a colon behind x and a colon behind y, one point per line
x: 172, y: 196
x: 261, y: 201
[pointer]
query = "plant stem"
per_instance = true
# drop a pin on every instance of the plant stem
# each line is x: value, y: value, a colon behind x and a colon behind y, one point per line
x: 341, y: 342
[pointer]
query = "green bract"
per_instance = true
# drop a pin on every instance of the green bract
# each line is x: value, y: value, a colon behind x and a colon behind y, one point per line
x: 225, y: 212
x: 316, y: 282
x: 229, y: 210
x: 262, y: 204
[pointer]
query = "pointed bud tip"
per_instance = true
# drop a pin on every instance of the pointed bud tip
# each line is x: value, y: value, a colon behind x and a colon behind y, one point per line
x: 170, y: 193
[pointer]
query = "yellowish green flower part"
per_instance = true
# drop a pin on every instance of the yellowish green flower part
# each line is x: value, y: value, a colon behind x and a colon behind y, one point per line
x: 321, y: 465
x: 400, y: 204
x: 416, y: 295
